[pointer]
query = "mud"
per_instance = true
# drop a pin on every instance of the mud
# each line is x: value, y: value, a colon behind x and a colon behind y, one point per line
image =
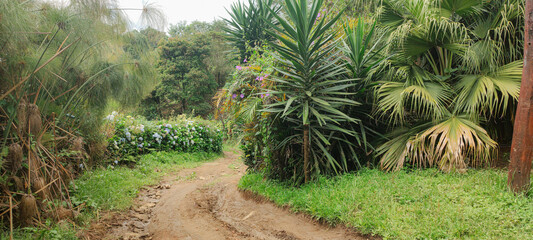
x: 204, y: 203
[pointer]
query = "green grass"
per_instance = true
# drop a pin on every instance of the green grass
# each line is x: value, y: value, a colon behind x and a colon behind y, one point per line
x: 52, y: 231
x: 423, y: 204
x: 113, y: 189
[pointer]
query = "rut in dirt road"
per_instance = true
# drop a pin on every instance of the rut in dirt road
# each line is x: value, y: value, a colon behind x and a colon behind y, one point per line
x: 204, y: 203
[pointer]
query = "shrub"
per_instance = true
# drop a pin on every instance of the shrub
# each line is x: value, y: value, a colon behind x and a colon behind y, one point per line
x: 134, y: 137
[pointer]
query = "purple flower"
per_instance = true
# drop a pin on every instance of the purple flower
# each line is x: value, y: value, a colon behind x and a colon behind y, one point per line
x: 245, y: 60
x: 262, y: 95
x: 238, y: 68
x: 242, y: 95
x: 318, y: 16
x: 234, y: 96
x: 268, y: 94
x: 257, y: 79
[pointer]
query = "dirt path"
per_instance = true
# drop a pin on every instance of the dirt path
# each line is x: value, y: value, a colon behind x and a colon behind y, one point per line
x: 204, y: 203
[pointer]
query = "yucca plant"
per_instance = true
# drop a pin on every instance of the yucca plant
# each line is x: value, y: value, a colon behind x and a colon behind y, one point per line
x: 310, y: 89
x: 364, y: 49
x: 248, y: 24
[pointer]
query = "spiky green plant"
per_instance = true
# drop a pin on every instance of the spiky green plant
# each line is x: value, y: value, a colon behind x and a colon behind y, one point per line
x: 457, y: 65
x: 311, y: 91
x: 248, y: 24
x: 364, y: 50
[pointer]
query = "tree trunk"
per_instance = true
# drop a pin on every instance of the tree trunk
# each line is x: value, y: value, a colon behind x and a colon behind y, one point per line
x: 306, y: 153
x: 522, y: 146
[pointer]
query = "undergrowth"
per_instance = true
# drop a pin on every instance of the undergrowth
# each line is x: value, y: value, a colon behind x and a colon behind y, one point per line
x: 422, y: 204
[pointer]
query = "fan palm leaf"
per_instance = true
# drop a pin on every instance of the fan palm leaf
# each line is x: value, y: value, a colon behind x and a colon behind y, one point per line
x: 448, y: 144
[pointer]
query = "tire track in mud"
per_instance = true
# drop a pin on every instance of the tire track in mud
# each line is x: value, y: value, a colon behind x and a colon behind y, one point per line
x: 204, y: 203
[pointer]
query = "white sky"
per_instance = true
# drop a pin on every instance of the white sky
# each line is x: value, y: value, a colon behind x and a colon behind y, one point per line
x: 177, y: 10
x: 182, y: 10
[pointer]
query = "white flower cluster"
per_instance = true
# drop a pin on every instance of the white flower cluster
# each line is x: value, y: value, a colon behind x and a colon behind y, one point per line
x: 111, y: 116
x: 157, y: 137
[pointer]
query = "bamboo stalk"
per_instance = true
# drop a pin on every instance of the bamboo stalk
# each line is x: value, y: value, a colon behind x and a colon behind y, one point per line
x: 10, y: 217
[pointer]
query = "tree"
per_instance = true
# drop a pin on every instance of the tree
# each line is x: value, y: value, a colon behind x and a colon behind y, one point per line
x: 192, y: 65
x: 522, y: 146
x: 153, y: 36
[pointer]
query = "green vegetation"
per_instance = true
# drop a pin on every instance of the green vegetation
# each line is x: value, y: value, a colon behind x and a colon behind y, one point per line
x: 452, y: 83
x: 61, y: 64
x: 192, y: 66
x: 247, y: 28
x: 421, y: 204
x: 313, y: 91
x: 70, y: 61
x: 430, y: 83
x: 131, y: 137
x: 65, y: 231
x: 116, y: 187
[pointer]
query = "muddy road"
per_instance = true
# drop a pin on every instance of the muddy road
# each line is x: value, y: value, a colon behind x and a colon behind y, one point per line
x: 204, y: 203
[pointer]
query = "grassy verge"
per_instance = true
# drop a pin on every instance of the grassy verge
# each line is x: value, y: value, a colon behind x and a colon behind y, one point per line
x: 423, y: 204
x: 113, y: 188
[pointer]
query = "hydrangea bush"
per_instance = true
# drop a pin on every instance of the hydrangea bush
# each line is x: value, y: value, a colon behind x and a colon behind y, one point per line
x: 131, y: 138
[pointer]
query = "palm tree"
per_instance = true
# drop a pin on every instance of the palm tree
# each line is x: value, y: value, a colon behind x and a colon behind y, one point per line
x: 522, y: 147
x: 456, y: 65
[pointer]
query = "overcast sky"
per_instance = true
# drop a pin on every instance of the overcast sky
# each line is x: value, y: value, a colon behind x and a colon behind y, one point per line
x: 176, y: 10
x: 182, y: 10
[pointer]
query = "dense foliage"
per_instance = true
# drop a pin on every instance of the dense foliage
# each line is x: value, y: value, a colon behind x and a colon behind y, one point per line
x: 69, y: 60
x: 305, y: 93
x: 409, y: 83
x: 192, y: 66
x: 132, y: 137
x: 451, y: 88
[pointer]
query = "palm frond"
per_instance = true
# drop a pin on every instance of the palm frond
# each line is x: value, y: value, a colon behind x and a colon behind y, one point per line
x: 450, y: 144
x: 490, y: 93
